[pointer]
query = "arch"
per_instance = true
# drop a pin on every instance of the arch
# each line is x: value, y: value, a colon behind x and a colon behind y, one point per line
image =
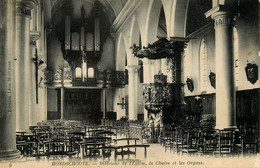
x: 78, y: 72
x: 91, y: 72
x: 120, y: 53
x: 167, y: 8
x: 111, y: 8
x: 162, y: 26
x: 147, y: 16
x: 178, y: 18
x: 153, y: 15
x: 134, y: 32
x: 135, y: 38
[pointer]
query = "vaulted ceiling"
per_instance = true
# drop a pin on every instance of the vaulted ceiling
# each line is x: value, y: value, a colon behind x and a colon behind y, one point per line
x: 111, y: 7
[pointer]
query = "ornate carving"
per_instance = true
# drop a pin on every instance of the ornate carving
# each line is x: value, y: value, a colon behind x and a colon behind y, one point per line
x: 67, y: 74
x: 58, y: 74
x: 161, y: 48
x: 74, y: 58
x: 47, y: 75
x: 32, y: 42
x: 160, y: 78
x: 157, y: 94
x: 23, y: 11
x: 117, y: 78
x: 221, y: 21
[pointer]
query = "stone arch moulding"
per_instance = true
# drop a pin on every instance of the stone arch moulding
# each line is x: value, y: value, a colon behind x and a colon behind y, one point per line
x: 153, y: 16
x: 178, y: 18
x: 120, y: 53
x: 134, y: 39
x: 167, y: 7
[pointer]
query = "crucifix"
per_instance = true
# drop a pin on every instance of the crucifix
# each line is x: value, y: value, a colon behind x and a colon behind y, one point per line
x: 37, y: 64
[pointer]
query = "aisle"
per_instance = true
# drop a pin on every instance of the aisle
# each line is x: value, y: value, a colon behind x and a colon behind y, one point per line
x: 156, y: 157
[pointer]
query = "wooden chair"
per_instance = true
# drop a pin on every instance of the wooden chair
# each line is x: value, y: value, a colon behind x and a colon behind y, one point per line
x: 177, y: 138
x: 208, y: 143
x: 190, y: 142
x: 225, y: 142
x: 250, y: 141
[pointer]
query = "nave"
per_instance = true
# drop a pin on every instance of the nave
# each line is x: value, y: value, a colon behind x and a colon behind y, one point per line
x: 81, y: 78
x: 71, y: 143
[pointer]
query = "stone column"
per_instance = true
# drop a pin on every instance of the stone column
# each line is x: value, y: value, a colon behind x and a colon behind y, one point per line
x: 62, y: 102
x: 157, y: 66
x: 132, y: 93
x: 164, y: 66
x: 23, y: 63
x: 225, y: 86
x: 147, y: 79
x: 45, y: 103
x: 103, y: 102
x: 33, y: 116
x: 148, y: 70
x: 7, y: 77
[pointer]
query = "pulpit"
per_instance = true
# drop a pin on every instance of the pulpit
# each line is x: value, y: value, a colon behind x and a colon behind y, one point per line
x: 161, y: 98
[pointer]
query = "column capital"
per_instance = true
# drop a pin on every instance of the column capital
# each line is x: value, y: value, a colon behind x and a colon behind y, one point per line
x: 24, y: 7
x: 221, y: 18
x: 132, y: 68
x: 34, y: 36
x: 147, y: 61
x: 221, y: 15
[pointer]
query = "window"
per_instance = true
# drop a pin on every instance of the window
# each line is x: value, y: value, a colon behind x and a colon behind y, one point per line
x: 91, y: 72
x: 204, y: 78
x: 78, y: 72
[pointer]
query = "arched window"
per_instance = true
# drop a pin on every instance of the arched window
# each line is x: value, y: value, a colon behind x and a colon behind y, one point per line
x: 204, y: 78
x: 236, y: 54
x: 91, y: 72
x: 78, y: 72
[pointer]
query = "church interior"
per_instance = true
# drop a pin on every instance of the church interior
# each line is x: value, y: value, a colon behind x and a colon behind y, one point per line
x: 119, y: 78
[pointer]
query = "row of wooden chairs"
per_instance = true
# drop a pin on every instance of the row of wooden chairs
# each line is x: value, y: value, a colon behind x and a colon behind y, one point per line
x: 60, y: 139
x: 227, y: 142
x: 57, y: 138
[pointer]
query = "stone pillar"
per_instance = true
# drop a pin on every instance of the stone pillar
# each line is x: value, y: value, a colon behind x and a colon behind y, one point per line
x: 33, y: 116
x: 152, y: 72
x: 7, y: 77
x: 45, y: 97
x: 147, y: 79
x: 157, y: 66
x: 104, y: 103
x: 23, y: 63
x: 148, y: 70
x: 225, y: 86
x: 62, y: 102
x: 132, y: 93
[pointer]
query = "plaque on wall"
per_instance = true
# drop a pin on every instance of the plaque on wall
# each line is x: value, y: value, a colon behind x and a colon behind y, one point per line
x: 212, y: 79
x: 190, y: 84
x: 251, y: 73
